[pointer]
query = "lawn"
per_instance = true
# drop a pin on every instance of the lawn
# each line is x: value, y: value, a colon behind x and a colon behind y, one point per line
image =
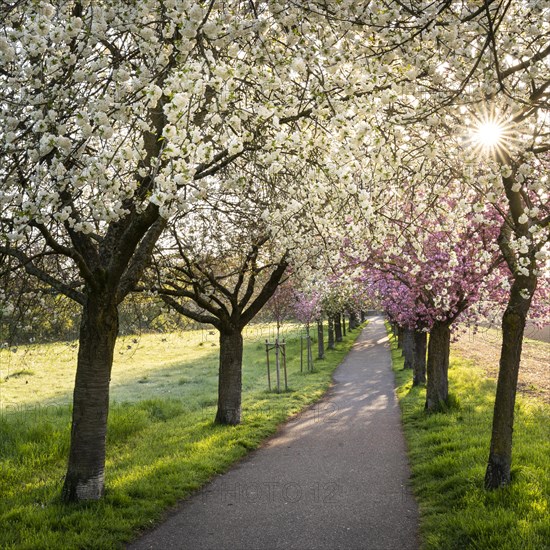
x: 448, y: 454
x: 162, y: 443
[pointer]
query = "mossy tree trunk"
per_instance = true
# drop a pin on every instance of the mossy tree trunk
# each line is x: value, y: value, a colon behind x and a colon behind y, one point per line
x: 338, y: 328
x: 419, y: 360
x: 399, y: 337
x: 437, y: 389
x: 408, y: 348
x: 524, y: 268
x: 230, y: 376
x: 513, y: 327
x: 330, y: 332
x: 98, y: 332
x: 320, y: 340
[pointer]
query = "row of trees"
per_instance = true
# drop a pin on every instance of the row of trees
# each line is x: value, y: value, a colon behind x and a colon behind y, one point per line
x: 196, y: 150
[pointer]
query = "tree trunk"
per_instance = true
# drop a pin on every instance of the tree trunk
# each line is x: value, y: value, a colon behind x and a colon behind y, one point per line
x: 330, y: 332
x: 408, y: 348
x: 437, y: 390
x: 399, y: 337
x: 230, y: 377
x: 352, y: 320
x: 98, y: 332
x: 320, y: 340
x: 343, y: 324
x: 513, y: 327
x: 419, y: 362
x: 363, y: 316
x: 338, y: 327
x: 394, y: 329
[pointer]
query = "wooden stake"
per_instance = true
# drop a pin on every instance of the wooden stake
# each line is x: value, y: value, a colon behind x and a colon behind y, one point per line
x: 283, y: 350
x: 301, y: 352
x: 277, y: 366
x: 268, y: 373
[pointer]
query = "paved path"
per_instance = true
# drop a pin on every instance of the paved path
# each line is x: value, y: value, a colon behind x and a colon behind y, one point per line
x: 334, y: 478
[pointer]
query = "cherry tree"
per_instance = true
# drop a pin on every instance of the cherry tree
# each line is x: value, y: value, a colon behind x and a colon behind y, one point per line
x: 481, y: 98
x: 427, y: 278
x: 115, y: 117
x: 280, y: 306
x: 81, y: 144
x: 220, y: 265
x: 307, y: 307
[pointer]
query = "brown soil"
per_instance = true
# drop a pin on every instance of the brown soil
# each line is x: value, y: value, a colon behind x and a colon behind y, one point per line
x: 484, y: 349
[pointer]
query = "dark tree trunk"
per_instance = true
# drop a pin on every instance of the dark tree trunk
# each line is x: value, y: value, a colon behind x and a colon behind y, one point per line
x: 343, y: 324
x: 320, y: 340
x: 513, y: 327
x: 419, y: 363
x: 399, y: 337
x: 408, y: 348
x: 363, y: 316
x: 98, y: 332
x: 437, y: 389
x: 330, y: 332
x: 338, y: 327
x: 353, y: 321
x: 230, y: 377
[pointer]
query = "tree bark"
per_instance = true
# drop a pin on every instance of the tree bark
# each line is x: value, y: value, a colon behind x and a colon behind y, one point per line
x: 437, y: 389
x: 408, y: 348
x: 230, y: 377
x: 330, y: 332
x: 338, y: 328
x: 98, y: 332
x: 419, y: 363
x: 513, y: 327
x: 353, y: 320
x: 320, y: 340
x: 343, y: 324
x: 399, y: 337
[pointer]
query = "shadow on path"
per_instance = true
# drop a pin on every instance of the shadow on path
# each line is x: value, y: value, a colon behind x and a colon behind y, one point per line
x: 335, y: 477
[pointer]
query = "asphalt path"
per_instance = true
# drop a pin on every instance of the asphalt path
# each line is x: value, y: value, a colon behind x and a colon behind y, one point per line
x: 336, y: 477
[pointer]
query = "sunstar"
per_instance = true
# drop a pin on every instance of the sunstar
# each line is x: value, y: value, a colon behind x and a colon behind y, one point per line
x: 489, y: 134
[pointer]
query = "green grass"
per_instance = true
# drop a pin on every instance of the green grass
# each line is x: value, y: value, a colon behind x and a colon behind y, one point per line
x: 162, y: 443
x: 448, y: 454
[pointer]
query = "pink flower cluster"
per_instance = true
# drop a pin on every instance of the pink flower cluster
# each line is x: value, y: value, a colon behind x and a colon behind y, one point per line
x: 439, y: 275
x: 308, y: 306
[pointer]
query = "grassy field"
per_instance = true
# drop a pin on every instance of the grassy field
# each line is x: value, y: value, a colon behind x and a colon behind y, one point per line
x: 448, y: 454
x: 162, y: 443
x: 483, y: 347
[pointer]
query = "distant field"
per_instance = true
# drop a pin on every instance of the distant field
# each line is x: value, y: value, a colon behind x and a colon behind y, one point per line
x: 483, y: 347
x: 145, y: 366
x: 162, y: 443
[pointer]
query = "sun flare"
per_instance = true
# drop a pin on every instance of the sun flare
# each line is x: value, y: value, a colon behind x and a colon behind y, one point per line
x: 489, y: 134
